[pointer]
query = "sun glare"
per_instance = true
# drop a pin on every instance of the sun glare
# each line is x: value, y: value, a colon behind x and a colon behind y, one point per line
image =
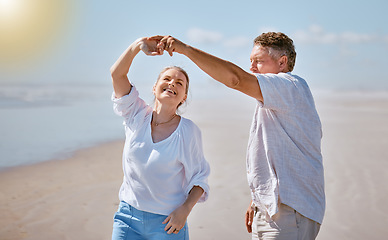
x: 29, y: 27
x: 8, y: 8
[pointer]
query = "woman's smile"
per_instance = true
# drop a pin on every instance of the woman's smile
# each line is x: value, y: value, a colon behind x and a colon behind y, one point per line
x: 168, y: 90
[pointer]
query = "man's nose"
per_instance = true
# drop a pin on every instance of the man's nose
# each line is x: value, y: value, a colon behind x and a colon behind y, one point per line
x: 253, y: 67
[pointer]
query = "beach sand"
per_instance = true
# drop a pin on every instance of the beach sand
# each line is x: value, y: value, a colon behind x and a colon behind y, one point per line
x: 77, y: 197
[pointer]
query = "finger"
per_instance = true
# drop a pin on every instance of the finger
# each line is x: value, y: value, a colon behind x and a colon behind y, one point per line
x: 251, y: 214
x: 170, y: 51
x: 166, y: 220
x: 155, y: 53
x: 169, y: 224
x: 249, y: 226
x: 160, y: 48
x: 248, y: 221
x: 169, y: 46
x: 155, y: 38
x: 163, y: 40
x: 171, y: 230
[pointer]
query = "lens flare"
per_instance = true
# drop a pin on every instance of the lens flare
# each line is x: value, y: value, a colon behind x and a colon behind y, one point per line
x: 28, y: 29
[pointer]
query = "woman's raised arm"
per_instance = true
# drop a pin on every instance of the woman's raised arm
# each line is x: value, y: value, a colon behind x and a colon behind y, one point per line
x: 120, y: 68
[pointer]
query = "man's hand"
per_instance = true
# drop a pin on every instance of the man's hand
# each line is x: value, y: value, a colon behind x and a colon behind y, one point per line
x: 249, y: 218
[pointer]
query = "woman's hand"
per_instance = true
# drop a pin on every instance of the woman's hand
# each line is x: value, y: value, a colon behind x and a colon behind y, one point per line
x: 168, y: 43
x: 150, y: 46
x: 177, y: 219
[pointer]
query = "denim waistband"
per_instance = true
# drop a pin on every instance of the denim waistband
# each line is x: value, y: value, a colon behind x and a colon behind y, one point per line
x: 136, y: 212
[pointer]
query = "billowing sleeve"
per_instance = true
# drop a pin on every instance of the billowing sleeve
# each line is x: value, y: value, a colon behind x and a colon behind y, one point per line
x: 131, y: 107
x: 197, y: 169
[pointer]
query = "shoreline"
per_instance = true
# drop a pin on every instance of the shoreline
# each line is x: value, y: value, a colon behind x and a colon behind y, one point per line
x: 66, y: 155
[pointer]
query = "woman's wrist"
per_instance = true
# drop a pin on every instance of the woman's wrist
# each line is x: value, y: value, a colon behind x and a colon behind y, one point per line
x: 136, y: 45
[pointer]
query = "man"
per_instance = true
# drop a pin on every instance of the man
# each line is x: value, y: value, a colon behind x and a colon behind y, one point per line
x: 284, y: 161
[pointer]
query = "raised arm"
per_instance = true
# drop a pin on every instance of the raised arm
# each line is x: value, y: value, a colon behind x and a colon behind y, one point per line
x: 120, y: 68
x: 221, y: 70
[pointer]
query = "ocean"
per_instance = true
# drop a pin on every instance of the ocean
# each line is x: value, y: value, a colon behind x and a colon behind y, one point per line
x: 39, y: 123
x: 51, y: 122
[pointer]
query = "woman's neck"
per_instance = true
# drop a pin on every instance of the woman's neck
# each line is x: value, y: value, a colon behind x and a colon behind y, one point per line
x: 163, y: 113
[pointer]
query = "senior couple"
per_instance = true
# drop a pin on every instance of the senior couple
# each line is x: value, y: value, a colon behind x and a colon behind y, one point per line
x: 165, y: 171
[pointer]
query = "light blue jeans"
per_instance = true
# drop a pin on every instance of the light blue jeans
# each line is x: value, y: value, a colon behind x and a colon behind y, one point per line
x: 133, y: 224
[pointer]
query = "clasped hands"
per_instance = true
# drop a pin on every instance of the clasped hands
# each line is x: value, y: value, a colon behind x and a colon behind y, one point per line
x: 156, y: 45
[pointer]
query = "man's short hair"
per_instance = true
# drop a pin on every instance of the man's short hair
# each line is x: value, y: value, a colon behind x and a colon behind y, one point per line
x: 278, y: 44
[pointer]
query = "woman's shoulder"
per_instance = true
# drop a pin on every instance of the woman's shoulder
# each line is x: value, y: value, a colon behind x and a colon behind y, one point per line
x: 189, y: 126
x: 188, y: 122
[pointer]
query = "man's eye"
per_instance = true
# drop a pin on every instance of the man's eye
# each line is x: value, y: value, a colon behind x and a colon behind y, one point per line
x: 180, y: 83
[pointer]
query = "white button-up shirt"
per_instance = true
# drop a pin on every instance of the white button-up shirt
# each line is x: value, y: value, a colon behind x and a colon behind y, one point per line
x: 284, y: 161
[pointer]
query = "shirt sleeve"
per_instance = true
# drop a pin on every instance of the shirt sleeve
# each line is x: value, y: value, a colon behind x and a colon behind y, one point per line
x: 197, y: 169
x: 281, y: 92
x: 131, y: 107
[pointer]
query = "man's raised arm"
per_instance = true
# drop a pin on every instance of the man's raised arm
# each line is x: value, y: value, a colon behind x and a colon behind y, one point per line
x: 221, y: 70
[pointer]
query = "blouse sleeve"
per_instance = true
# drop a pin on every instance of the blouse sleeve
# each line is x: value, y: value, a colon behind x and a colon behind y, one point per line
x: 131, y: 107
x: 197, y: 169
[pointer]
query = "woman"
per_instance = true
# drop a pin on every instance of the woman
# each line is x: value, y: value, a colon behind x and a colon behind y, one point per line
x: 165, y: 172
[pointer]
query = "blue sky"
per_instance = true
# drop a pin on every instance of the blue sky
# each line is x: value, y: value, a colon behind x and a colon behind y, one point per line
x: 339, y: 44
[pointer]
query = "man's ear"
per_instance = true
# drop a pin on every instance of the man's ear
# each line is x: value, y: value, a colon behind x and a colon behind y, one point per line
x: 283, y: 63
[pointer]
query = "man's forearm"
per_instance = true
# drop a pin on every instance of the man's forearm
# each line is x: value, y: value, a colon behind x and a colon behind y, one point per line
x: 224, y: 72
x: 219, y: 69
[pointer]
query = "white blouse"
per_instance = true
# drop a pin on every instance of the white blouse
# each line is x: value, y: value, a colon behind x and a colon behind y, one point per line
x: 159, y: 176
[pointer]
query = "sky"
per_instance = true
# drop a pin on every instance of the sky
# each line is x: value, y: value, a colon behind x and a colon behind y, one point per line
x: 340, y: 45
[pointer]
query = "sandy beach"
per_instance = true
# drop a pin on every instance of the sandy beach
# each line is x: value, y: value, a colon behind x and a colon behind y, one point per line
x: 77, y: 197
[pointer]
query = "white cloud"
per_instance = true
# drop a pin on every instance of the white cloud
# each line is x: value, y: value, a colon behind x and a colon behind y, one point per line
x: 315, y: 34
x: 202, y: 36
x: 197, y: 35
x: 238, y: 42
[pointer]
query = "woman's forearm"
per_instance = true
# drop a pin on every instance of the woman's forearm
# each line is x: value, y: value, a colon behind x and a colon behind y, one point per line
x: 120, y: 69
x: 193, y: 197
